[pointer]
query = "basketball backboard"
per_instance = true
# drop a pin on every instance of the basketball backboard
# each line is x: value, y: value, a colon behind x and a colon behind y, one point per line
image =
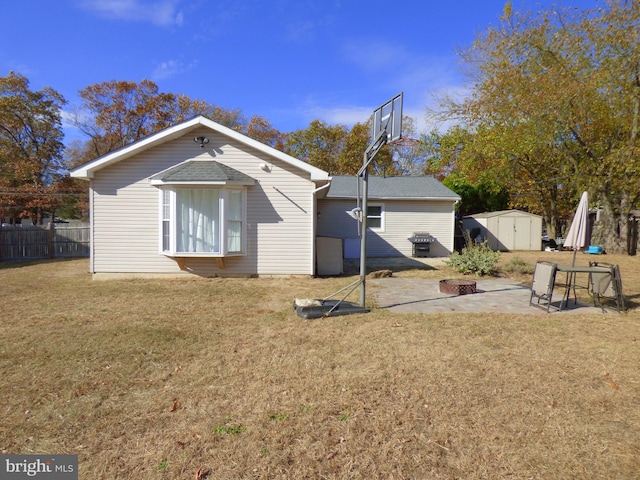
x: 388, y: 118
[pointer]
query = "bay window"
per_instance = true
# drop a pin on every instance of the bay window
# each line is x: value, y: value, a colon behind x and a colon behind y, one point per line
x: 202, y: 221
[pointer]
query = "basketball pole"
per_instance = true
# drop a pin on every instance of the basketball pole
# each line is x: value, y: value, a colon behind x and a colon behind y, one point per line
x: 368, y: 157
x: 363, y: 236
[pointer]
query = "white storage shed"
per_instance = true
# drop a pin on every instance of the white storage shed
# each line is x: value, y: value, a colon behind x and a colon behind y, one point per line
x: 506, y: 230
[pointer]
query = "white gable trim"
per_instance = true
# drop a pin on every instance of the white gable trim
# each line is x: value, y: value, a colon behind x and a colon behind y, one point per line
x: 87, y: 170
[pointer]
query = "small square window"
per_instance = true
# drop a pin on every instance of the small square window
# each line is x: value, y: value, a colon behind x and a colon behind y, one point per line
x: 375, y: 217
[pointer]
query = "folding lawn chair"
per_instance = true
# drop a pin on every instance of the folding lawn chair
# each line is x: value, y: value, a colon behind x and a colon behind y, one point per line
x: 544, y: 279
x: 606, y: 285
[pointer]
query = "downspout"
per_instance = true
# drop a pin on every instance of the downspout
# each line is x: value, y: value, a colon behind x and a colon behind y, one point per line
x: 453, y: 233
x: 92, y: 258
x: 326, y: 185
x: 314, y: 214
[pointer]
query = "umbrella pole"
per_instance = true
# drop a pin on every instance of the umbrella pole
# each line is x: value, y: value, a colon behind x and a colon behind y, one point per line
x: 571, y: 280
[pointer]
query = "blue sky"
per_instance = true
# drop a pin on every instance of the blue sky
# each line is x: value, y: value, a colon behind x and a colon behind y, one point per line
x: 290, y: 61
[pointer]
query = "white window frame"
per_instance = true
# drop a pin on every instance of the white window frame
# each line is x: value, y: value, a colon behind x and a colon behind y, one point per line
x: 169, y: 192
x: 381, y: 217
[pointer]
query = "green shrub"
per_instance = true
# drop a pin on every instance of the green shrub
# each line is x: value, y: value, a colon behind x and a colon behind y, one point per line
x: 518, y: 265
x: 474, y: 258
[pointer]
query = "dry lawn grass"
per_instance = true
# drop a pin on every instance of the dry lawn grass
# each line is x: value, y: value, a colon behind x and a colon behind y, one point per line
x: 219, y: 379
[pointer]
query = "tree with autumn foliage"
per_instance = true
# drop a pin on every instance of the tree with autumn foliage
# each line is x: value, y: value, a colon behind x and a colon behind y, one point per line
x: 31, y: 149
x: 117, y: 113
x: 260, y: 129
x: 554, y: 111
x: 319, y: 145
x: 351, y: 157
x: 409, y: 154
x: 340, y: 150
x: 446, y: 156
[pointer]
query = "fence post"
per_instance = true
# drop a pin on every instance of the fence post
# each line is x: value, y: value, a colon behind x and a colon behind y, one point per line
x: 50, y: 245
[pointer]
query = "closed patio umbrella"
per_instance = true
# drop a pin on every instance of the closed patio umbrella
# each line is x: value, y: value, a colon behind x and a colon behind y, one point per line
x: 576, y: 237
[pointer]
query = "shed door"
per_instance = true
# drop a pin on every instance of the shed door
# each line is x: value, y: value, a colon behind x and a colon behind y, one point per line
x: 522, y: 233
x: 514, y: 233
x: 506, y: 233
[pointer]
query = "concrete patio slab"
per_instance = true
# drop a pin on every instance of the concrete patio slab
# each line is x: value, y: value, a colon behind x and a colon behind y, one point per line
x: 497, y: 295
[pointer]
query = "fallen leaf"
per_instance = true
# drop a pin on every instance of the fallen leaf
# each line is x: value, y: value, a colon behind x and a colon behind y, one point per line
x: 611, y: 383
x: 174, y: 407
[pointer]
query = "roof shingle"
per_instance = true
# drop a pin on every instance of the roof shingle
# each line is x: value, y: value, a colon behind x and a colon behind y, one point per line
x: 202, y: 171
x: 424, y: 187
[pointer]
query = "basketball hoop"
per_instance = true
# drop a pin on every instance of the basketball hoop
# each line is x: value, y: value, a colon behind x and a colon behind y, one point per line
x: 386, y: 130
x: 387, y: 120
x: 404, y: 142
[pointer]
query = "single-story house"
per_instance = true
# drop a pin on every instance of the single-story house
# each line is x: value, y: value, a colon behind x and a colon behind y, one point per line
x: 506, y: 230
x: 203, y: 199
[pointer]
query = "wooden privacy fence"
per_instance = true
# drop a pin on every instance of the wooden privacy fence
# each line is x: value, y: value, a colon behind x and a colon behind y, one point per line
x: 56, y: 240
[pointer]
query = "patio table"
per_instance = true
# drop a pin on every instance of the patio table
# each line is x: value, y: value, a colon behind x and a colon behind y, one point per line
x: 570, y: 282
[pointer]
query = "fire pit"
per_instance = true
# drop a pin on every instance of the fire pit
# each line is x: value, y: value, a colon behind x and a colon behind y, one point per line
x: 457, y: 287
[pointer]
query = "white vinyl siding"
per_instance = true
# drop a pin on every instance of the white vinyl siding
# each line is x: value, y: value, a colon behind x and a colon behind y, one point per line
x: 401, y: 219
x: 279, y: 218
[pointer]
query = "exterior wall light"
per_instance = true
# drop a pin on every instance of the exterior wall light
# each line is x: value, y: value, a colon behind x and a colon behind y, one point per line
x: 201, y: 140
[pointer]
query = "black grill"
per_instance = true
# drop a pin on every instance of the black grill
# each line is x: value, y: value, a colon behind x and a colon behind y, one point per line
x: 421, y: 243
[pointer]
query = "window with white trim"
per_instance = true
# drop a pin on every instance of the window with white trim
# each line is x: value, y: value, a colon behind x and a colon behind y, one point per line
x: 375, y: 216
x: 203, y: 221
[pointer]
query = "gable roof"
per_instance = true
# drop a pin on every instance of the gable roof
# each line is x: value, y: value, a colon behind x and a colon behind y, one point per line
x: 201, y: 171
x: 500, y: 213
x: 87, y: 170
x: 400, y: 188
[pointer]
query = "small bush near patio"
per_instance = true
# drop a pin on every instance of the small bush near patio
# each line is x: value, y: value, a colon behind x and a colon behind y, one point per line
x: 518, y: 265
x: 474, y: 258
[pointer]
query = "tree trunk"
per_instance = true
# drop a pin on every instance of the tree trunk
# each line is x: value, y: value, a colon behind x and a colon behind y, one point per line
x: 611, y: 229
x: 632, y: 239
x: 551, y: 223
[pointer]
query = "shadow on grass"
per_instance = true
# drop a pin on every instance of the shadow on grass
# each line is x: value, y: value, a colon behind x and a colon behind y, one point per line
x: 6, y: 264
x: 631, y: 302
